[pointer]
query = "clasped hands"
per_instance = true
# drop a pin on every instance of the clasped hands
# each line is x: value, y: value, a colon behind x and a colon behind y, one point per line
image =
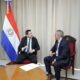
x: 26, y: 47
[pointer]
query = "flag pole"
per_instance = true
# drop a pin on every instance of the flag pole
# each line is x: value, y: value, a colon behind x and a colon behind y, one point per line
x: 8, y: 3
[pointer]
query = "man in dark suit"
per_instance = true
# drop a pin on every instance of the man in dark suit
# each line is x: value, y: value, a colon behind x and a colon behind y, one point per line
x: 59, y: 56
x: 28, y: 48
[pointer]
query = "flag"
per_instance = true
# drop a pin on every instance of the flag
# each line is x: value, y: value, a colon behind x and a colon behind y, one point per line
x: 10, y: 35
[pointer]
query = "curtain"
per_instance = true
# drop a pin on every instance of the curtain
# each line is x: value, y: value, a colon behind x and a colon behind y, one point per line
x: 44, y: 17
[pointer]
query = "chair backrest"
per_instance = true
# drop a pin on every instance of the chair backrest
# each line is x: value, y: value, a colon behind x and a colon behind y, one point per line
x: 72, y: 42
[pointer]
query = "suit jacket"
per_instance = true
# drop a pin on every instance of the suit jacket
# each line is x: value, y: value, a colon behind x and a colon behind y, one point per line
x: 63, y: 52
x: 23, y: 43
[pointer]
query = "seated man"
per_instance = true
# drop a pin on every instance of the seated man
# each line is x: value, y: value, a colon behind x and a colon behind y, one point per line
x: 59, y: 56
x: 28, y: 48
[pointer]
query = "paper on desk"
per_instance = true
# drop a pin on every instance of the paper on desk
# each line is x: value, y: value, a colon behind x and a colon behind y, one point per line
x: 29, y: 67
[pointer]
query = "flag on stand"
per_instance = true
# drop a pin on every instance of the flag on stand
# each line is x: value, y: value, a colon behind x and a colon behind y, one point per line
x: 10, y: 35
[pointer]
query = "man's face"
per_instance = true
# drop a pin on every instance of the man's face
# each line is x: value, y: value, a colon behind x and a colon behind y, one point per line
x: 57, y: 35
x: 30, y: 34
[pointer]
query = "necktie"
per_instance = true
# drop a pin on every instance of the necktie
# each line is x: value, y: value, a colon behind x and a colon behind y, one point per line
x: 28, y: 46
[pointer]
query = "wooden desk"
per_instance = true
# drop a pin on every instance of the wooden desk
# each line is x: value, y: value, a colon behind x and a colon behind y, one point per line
x: 13, y: 72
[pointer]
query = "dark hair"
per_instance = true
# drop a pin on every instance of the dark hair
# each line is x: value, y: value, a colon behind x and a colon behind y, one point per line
x: 27, y: 31
x: 62, y: 33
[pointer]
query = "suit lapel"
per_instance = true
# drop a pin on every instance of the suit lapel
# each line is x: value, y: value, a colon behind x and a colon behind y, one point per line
x: 60, y: 46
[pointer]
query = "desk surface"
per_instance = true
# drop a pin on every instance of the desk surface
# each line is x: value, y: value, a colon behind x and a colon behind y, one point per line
x: 13, y: 72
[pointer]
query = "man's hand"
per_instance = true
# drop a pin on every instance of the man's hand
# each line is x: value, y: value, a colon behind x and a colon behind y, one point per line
x: 25, y: 47
x: 51, y: 54
x: 33, y: 50
x: 53, y: 61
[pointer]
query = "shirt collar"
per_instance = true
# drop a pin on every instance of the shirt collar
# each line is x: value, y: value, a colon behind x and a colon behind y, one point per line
x: 29, y: 38
x: 59, y: 40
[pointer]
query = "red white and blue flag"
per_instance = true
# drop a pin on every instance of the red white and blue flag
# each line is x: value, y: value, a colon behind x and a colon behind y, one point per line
x: 10, y: 35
